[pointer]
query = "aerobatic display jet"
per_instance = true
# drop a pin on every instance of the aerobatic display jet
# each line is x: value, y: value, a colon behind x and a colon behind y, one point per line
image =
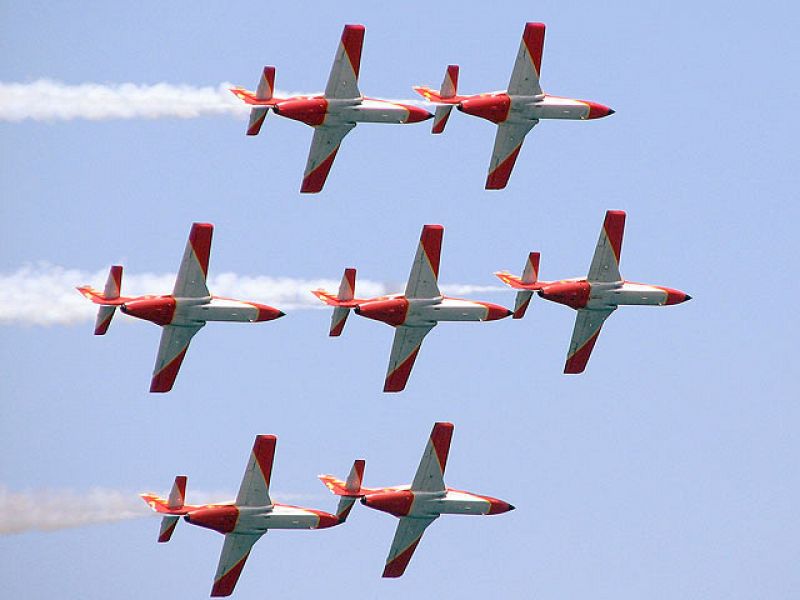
x: 242, y: 521
x: 414, y: 313
x: 332, y: 114
x: 180, y: 314
x: 515, y: 111
x: 594, y: 297
x: 416, y: 505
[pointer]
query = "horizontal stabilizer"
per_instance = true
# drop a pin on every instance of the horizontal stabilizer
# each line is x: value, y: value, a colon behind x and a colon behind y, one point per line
x: 351, y: 487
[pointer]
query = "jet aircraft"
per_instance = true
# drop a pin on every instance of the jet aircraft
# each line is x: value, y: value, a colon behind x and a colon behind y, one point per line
x: 414, y: 313
x: 332, y: 114
x: 594, y: 297
x: 515, y: 111
x: 242, y: 521
x: 180, y: 314
x: 416, y: 505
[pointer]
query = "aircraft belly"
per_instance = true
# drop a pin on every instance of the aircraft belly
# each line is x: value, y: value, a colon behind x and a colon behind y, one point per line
x: 222, y: 310
x: 549, y: 110
x: 640, y: 295
x: 379, y: 113
x: 451, y: 311
x: 279, y: 518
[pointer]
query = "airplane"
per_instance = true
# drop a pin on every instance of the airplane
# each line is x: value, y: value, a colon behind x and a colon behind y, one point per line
x: 419, y: 504
x: 242, y: 521
x: 594, y: 297
x: 332, y: 114
x: 516, y: 110
x: 180, y: 314
x: 414, y: 313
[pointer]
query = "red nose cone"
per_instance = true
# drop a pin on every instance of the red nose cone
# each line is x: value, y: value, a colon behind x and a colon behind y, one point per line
x: 495, y: 312
x: 267, y: 313
x: 218, y: 518
x: 676, y: 296
x: 416, y: 114
x: 394, y: 503
x: 497, y: 507
x: 597, y: 111
x: 158, y: 310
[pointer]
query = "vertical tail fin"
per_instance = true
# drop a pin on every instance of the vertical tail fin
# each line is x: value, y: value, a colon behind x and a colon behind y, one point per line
x: 530, y: 276
x: 264, y: 91
x: 448, y: 90
x: 177, y: 497
x: 347, y: 289
x: 110, y: 292
x: 353, y: 488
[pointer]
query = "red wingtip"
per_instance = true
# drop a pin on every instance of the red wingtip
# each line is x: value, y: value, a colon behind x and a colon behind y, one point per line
x: 431, y: 240
x: 498, y: 179
x: 225, y: 584
x: 397, y: 379
x: 164, y: 380
x: 397, y: 567
x: 200, y: 239
x: 353, y: 41
x: 577, y: 362
x: 441, y: 436
x: 533, y: 37
x: 614, y: 226
x: 315, y: 180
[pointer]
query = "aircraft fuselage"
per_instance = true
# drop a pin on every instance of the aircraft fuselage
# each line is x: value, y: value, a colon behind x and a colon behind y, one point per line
x: 580, y: 293
x: 168, y: 310
x: 399, y: 310
x: 403, y: 502
x: 229, y: 518
x: 318, y: 110
x: 500, y: 107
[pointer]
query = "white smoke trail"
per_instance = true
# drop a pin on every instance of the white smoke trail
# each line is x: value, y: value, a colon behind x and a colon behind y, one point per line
x: 54, y: 509
x: 48, y: 100
x: 45, y: 294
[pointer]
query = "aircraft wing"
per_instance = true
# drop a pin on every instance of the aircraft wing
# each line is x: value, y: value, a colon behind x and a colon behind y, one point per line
x: 407, y: 341
x: 525, y: 76
x: 174, y: 343
x: 430, y: 473
x: 587, y: 327
x: 507, y: 144
x: 234, y: 553
x: 424, y: 276
x: 324, y: 146
x: 343, y: 80
x: 406, y: 537
x: 605, y: 262
x: 191, y: 280
x: 254, y: 490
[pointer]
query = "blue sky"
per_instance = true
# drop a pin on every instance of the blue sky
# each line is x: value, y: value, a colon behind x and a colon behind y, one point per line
x: 669, y: 469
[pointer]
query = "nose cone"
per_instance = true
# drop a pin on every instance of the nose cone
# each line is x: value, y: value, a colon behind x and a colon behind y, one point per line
x: 417, y: 114
x: 597, y: 111
x: 676, y: 296
x: 497, y: 507
x: 267, y: 313
x: 495, y: 312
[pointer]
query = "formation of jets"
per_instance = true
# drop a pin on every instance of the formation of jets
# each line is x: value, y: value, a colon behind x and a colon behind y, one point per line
x: 336, y: 112
x: 412, y: 314
x: 244, y: 520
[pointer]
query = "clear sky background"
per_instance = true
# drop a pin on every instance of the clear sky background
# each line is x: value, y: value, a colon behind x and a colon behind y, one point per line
x: 667, y: 470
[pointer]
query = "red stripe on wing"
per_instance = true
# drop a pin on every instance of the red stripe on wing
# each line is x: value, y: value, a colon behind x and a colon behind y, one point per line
x: 431, y: 240
x: 577, y: 362
x: 353, y: 41
x: 200, y: 239
x: 264, y: 452
x: 315, y: 180
x: 397, y: 566
x: 498, y: 179
x: 614, y: 226
x: 440, y: 438
x: 225, y: 584
x: 533, y: 36
x: 165, y: 378
x: 397, y: 379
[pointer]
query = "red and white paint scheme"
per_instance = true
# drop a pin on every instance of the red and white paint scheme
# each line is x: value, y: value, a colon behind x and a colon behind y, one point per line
x: 332, y: 114
x: 419, y: 504
x: 182, y: 313
x: 516, y: 110
x: 414, y: 313
x: 594, y: 297
x: 242, y: 521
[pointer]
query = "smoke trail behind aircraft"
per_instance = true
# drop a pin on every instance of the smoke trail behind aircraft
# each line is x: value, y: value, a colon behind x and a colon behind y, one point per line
x: 45, y: 294
x: 49, y: 100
